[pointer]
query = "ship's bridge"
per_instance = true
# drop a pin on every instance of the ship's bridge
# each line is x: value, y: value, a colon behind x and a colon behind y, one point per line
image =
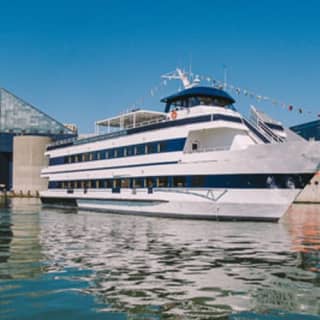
x: 196, y: 96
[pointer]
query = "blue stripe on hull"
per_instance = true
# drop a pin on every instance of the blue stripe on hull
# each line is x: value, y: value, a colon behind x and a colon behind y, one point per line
x: 225, y: 181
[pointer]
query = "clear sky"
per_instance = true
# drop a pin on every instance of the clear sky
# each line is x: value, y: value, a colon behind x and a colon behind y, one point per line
x: 80, y: 61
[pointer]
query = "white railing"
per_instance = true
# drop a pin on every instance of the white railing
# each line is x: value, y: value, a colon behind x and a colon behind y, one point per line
x: 259, y: 124
x: 144, y: 123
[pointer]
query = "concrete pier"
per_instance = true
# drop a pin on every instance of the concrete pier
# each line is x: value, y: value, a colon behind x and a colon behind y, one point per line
x: 28, y: 160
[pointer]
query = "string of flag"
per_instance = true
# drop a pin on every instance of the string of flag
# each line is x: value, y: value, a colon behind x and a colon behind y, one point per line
x: 253, y: 95
x: 218, y: 84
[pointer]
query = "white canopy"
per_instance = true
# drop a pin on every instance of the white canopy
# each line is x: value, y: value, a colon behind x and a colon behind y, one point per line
x: 132, y: 119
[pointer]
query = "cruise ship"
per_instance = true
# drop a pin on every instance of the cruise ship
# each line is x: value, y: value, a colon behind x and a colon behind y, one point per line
x: 199, y: 158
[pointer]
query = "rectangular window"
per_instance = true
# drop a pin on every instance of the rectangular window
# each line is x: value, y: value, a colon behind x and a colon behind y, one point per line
x: 130, y: 151
x: 109, y: 183
x: 197, y: 181
x: 124, y: 152
x: 151, y: 148
x: 162, y: 147
x: 120, y: 152
x: 138, y: 183
x: 150, y: 182
x: 125, y: 183
x: 116, y: 183
x: 179, y: 181
x: 163, y: 182
x: 85, y: 157
x: 140, y: 149
x: 111, y: 153
x: 116, y: 186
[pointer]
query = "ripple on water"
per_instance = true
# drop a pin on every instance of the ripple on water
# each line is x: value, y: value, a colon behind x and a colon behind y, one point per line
x: 152, y: 268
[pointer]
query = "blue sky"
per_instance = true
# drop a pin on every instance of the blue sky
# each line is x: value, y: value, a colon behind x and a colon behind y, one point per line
x: 80, y: 61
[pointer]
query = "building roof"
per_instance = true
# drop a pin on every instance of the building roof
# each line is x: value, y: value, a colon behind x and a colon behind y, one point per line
x: 20, y: 117
x: 308, y: 130
x: 199, y: 91
x: 311, y: 124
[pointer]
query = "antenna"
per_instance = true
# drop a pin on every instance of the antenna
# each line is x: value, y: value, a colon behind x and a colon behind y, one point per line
x: 190, y: 65
x: 225, y: 76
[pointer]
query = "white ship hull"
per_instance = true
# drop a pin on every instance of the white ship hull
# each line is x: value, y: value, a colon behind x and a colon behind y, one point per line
x: 211, y: 204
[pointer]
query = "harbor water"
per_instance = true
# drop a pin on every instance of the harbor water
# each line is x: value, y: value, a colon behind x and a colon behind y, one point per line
x: 68, y: 264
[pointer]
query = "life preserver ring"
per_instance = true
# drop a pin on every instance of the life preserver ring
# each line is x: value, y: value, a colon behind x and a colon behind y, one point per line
x: 174, y: 114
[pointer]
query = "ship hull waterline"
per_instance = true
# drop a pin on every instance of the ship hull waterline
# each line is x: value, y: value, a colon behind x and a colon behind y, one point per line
x: 208, y: 204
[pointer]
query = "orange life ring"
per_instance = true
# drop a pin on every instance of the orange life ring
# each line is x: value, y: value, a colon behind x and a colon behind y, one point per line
x: 173, y: 114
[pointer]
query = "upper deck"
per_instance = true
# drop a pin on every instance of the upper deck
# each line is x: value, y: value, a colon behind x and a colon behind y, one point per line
x: 214, y: 104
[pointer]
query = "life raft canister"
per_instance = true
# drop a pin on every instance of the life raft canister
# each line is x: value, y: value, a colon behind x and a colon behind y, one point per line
x: 173, y: 114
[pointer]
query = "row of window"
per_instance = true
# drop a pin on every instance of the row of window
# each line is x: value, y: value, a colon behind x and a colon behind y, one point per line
x: 187, y: 102
x: 194, y: 181
x: 150, y: 182
x: 127, y: 151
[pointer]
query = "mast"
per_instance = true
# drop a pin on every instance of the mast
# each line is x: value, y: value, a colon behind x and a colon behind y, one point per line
x: 179, y: 74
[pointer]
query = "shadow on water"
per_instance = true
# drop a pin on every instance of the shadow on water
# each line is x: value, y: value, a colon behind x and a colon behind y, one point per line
x: 92, y: 265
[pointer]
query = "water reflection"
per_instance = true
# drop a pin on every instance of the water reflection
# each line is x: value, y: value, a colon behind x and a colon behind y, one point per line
x: 183, y: 269
x: 20, y: 251
x: 6, y: 234
x: 153, y: 268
